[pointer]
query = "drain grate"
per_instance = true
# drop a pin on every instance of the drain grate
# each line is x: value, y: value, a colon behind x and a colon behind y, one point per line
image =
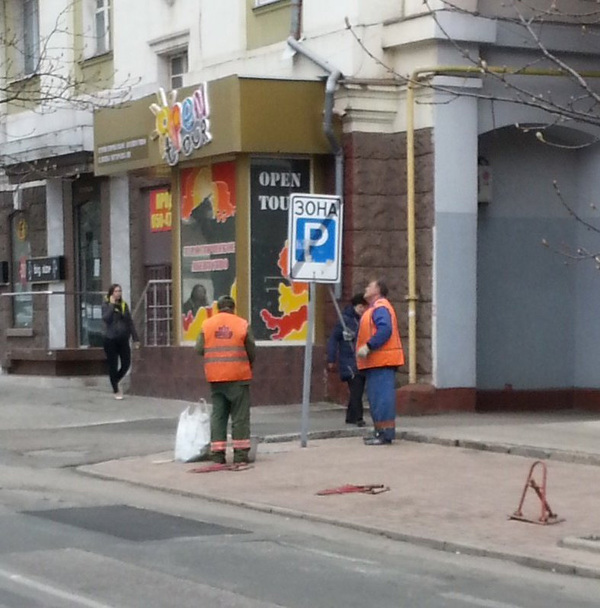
x: 131, y: 523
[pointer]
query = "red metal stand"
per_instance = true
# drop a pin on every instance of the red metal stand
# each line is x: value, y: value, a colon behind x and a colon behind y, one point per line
x: 374, y: 488
x: 547, y: 517
x: 213, y: 468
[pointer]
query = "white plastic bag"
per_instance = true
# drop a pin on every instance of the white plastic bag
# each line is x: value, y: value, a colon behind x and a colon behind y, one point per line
x: 192, y: 441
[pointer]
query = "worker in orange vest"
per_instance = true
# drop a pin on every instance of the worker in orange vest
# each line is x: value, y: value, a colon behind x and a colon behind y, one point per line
x: 379, y: 352
x: 228, y: 347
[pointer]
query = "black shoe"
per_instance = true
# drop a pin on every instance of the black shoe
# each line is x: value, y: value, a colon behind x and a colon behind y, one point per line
x: 361, y: 423
x: 376, y: 441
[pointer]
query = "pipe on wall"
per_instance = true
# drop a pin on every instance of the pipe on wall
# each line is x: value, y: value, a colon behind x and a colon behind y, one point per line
x: 330, y: 87
x: 296, y: 22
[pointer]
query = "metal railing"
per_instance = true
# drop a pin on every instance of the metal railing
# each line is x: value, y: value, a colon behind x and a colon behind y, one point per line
x: 87, y: 306
x: 153, y: 313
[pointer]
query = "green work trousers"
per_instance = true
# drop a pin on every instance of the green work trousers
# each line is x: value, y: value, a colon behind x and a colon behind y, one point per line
x: 230, y: 399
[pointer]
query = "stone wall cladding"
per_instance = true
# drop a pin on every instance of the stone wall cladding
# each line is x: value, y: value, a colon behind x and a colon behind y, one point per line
x: 176, y: 372
x: 136, y: 239
x: 34, y: 204
x: 375, y: 236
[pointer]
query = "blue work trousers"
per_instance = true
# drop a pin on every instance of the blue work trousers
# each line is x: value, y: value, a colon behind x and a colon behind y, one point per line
x: 381, y: 392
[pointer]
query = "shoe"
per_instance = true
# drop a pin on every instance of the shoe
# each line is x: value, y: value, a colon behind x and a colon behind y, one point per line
x: 119, y: 396
x: 361, y: 423
x: 376, y: 441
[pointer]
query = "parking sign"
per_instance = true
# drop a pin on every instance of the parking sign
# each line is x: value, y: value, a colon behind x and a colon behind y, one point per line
x: 315, y: 238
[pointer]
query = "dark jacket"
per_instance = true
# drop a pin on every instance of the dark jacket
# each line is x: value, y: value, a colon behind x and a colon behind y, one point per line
x: 117, y: 321
x: 341, y: 350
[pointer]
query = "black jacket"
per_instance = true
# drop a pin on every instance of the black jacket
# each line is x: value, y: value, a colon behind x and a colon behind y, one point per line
x: 118, y: 322
x: 341, y: 350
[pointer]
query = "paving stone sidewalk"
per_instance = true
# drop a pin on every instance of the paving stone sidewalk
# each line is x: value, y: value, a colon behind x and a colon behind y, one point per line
x: 448, y: 498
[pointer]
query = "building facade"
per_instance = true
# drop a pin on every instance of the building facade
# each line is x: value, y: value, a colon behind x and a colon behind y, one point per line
x: 408, y: 110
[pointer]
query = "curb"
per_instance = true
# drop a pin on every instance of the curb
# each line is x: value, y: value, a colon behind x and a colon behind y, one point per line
x: 467, y: 444
x: 333, y: 434
x: 422, y: 541
x: 504, y: 448
x: 584, y: 543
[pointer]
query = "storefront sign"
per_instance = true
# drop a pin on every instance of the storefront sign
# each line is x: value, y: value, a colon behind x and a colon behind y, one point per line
x: 45, y: 270
x: 119, y: 151
x: 181, y: 127
x: 279, y: 307
x: 22, y: 229
x: 160, y: 210
x: 208, y: 244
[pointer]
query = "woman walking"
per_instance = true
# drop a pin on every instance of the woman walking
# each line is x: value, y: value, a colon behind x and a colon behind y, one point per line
x: 119, y: 329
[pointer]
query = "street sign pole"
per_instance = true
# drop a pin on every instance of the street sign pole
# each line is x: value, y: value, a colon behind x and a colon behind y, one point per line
x: 308, y: 365
x: 315, y: 249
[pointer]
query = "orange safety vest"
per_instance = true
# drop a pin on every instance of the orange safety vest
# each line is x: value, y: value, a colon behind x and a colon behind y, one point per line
x: 225, y: 356
x: 391, y: 353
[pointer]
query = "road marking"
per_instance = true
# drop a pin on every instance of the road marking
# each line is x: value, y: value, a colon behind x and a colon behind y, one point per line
x: 53, y: 591
x: 477, y: 601
x: 330, y: 554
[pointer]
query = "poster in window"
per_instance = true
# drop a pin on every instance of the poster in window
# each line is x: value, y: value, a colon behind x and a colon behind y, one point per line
x: 208, y: 205
x: 21, y: 252
x: 279, y: 307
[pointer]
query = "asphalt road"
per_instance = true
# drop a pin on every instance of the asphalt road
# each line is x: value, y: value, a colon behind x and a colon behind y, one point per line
x: 68, y: 540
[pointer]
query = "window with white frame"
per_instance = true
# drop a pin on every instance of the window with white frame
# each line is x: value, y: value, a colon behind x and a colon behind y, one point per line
x: 172, y: 58
x: 102, y: 26
x: 31, y: 36
x: 259, y: 3
x: 178, y: 66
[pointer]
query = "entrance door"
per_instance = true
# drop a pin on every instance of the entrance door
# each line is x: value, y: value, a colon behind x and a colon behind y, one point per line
x: 89, y: 272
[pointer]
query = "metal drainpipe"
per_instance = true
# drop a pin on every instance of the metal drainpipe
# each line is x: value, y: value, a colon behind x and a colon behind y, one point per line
x: 296, y: 25
x: 416, y: 79
x: 330, y: 86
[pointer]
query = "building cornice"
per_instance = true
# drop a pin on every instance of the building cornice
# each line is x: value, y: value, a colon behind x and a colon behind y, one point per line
x: 368, y: 106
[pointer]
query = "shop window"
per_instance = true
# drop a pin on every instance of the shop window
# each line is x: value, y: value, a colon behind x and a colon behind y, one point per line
x: 208, y: 242
x: 178, y: 66
x: 20, y: 252
x: 279, y: 308
x: 89, y: 272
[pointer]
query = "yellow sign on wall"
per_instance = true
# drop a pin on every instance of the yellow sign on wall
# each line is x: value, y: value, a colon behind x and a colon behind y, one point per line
x: 161, y: 217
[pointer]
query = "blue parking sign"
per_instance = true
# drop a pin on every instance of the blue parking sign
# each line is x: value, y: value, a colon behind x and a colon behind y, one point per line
x: 316, y: 240
x: 315, y: 229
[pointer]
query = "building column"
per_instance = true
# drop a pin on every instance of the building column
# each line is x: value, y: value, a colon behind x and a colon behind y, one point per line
x: 55, y: 226
x: 120, y: 263
x: 454, y: 315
